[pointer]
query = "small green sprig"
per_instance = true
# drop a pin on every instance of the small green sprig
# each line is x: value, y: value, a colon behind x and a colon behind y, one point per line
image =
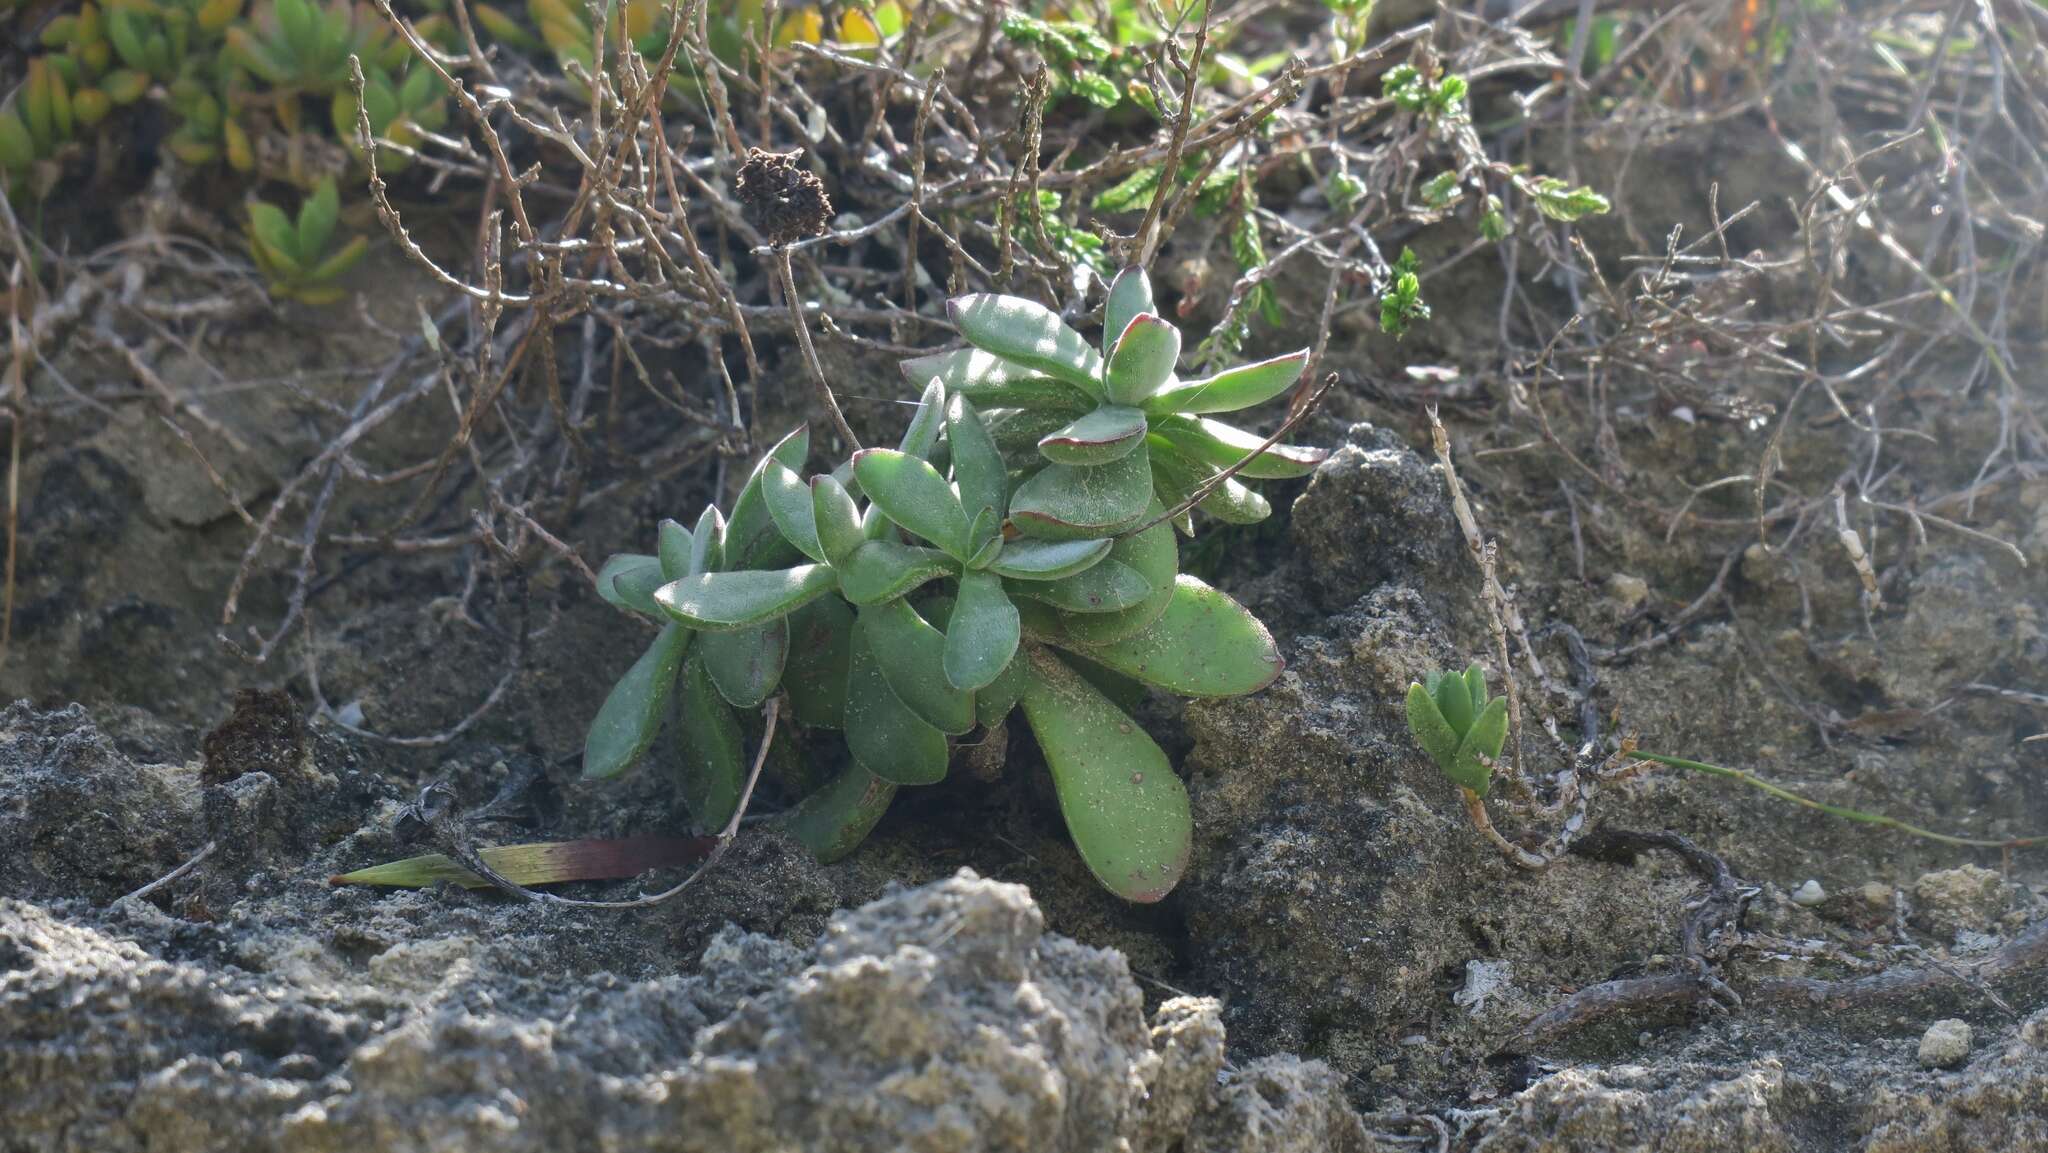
x: 1440, y: 97
x: 1459, y: 726
x: 1401, y: 303
x: 1077, y: 52
x: 1560, y: 201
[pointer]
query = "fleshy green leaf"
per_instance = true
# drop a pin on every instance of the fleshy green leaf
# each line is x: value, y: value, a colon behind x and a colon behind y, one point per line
x: 982, y: 633
x: 833, y: 821
x: 1123, y: 692
x: 978, y: 469
x: 1231, y: 389
x: 676, y: 547
x: 1129, y: 295
x: 1028, y: 334
x: 1127, y: 811
x: 993, y: 702
x: 913, y: 494
x: 628, y: 580
x: 820, y: 637
x: 633, y: 711
x: 707, y: 542
x: 713, y: 768
x: 1488, y: 733
x: 881, y: 731
x: 1180, y: 475
x: 1108, y: 587
x: 1426, y: 723
x: 986, y: 535
x: 1204, y: 645
x: 911, y: 655
x: 752, y: 539
x: 1155, y: 554
x: 1097, y: 437
x: 881, y: 570
x: 317, y: 215
x: 1233, y: 502
x: 1215, y: 443
x: 990, y: 381
x: 790, y: 505
x: 1143, y: 359
x: 746, y: 665
x: 1475, y: 686
x: 875, y: 524
x: 1017, y: 431
x: 723, y: 601
x: 1454, y: 701
x: 275, y: 229
x: 1064, y: 501
x: 925, y: 423
x: 991, y: 549
x: 1046, y: 560
x: 836, y: 518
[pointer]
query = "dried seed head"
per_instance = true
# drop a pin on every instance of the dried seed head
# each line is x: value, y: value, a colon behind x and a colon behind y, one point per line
x: 787, y: 202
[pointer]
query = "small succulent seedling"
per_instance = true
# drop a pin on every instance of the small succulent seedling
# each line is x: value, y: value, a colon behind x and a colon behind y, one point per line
x: 294, y: 255
x: 1099, y: 435
x: 1464, y: 730
x: 1459, y: 726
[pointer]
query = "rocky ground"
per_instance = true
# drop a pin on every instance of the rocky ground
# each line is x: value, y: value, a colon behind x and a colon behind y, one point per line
x: 1347, y: 965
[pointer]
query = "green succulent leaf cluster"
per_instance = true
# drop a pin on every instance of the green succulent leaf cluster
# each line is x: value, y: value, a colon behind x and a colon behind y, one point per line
x: 1457, y: 724
x: 916, y: 594
x: 106, y: 56
x: 1096, y: 436
x: 298, y: 255
x: 227, y: 78
x: 703, y: 672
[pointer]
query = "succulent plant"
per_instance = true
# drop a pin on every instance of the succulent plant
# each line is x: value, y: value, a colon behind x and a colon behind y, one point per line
x: 1459, y: 726
x: 400, y: 110
x: 299, y: 47
x: 293, y: 254
x: 162, y: 39
x: 920, y: 607
x: 914, y: 595
x: 1114, y: 429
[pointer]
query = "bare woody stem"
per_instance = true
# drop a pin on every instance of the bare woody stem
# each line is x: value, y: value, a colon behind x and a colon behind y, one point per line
x: 803, y: 337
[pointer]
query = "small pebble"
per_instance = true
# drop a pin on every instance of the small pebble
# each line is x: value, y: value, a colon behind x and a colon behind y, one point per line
x: 1809, y: 894
x: 1945, y: 1044
x: 1628, y: 590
